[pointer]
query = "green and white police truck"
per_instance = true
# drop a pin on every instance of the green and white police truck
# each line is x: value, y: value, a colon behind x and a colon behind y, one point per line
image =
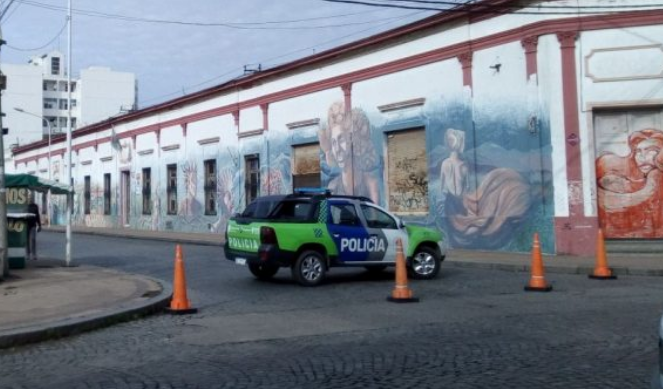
x: 311, y: 232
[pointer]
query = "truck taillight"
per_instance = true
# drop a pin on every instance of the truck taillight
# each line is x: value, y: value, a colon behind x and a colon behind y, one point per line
x: 267, y: 235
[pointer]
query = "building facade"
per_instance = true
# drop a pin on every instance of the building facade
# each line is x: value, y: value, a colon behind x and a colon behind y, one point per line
x: 491, y: 124
x: 40, y: 88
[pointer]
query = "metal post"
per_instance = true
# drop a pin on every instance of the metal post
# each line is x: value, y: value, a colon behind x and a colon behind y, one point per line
x: 48, y: 195
x: 48, y: 124
x: 70, y: 181
x: 4, y: 264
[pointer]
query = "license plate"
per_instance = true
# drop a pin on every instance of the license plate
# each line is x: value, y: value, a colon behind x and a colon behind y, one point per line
x: 240, y: 261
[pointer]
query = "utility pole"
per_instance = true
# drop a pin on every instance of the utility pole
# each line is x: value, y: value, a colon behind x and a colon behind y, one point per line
x: 4, y: 264
x: 70, y: 180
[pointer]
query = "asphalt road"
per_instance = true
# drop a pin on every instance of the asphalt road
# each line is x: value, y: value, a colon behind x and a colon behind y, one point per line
x: 472, y: 329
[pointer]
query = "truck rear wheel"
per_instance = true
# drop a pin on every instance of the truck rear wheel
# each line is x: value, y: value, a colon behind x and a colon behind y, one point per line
x: 263, y: 271
x: 309, y: 269
x: 425, y: 264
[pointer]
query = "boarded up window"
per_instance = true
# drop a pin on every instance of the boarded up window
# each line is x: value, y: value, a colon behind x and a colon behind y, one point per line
x: 407, y: 169
x: 306, y: 166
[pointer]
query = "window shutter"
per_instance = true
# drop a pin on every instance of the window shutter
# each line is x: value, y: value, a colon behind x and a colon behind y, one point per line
x: 306, y: 166
x: 407, y: 171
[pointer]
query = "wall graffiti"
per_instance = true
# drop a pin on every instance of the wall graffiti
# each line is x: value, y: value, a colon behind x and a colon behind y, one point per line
x: 630, y: 187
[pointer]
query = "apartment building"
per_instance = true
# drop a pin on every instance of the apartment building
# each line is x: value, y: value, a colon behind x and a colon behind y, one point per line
x: 40, y: 89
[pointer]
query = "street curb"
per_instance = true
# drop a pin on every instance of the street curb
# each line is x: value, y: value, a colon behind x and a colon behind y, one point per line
x: 175, y: 238
x: 579, y: 269
x: 67, y: 327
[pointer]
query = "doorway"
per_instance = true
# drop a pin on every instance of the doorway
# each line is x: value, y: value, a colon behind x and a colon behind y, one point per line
x: 126, y: 194
x: 629, y: 172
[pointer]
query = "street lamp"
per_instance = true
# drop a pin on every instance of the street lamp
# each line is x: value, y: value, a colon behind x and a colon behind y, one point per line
x: 50, y: 132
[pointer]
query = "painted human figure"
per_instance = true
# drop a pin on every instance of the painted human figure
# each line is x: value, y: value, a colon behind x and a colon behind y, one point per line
x: 190, y: 206
x: 487, y: 216
x: 454, y: 172
x: 630, y: 188
x: 348, y: 146
x: 226, y: 203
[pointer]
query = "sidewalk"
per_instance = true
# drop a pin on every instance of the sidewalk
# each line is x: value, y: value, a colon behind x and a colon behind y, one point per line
x: 48, y: 300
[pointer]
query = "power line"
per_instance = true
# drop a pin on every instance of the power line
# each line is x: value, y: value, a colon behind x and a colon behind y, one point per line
x: 11, y: 13
x: 342, y: 37
x: 43, y: 46
x: 242, y: 26
x: 496, y: 8
x: 538, y: 6
x: 4, y: 11
x: 282, y: 56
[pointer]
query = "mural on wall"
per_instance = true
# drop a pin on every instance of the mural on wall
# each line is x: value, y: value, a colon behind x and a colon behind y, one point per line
x: 630, y: 187
x: 481, y: 216
x: 272, y: 181
x: 351, y: 161
x: 490, y: 176
x: 156, y: 208
x: 125, y: 152
x: 480, y: 179
x: 96, y: 218
x: 227, y: 179
x: 190, y: 206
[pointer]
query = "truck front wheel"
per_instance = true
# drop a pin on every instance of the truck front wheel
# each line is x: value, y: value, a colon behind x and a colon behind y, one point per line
x: 425, y: 264
x: 309, y: 269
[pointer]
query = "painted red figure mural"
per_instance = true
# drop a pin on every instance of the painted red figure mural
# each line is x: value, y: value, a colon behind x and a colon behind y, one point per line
x: 630, y: 188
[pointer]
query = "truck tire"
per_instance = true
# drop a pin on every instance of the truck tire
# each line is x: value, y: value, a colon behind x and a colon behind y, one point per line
x: 310, y: 268
x: 262, y: 271
x: 425, y: 264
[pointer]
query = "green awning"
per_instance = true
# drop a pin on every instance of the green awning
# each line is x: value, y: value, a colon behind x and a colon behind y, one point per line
x: 34, y: 183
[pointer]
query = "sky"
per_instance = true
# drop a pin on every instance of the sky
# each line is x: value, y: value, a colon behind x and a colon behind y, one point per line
x: 170, y: 45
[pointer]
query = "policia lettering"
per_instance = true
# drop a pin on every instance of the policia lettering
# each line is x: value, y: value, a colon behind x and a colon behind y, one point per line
x: 372, y: 244
x: 243, y: 244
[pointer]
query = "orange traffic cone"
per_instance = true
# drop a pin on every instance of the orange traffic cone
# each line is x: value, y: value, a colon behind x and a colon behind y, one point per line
x: 401, y: 293
x: 537, y: 282
x: 179, y: 304
x: 601, y: 269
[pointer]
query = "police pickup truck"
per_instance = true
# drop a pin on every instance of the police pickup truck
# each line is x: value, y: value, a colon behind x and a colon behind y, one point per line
x: 311, y: 232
